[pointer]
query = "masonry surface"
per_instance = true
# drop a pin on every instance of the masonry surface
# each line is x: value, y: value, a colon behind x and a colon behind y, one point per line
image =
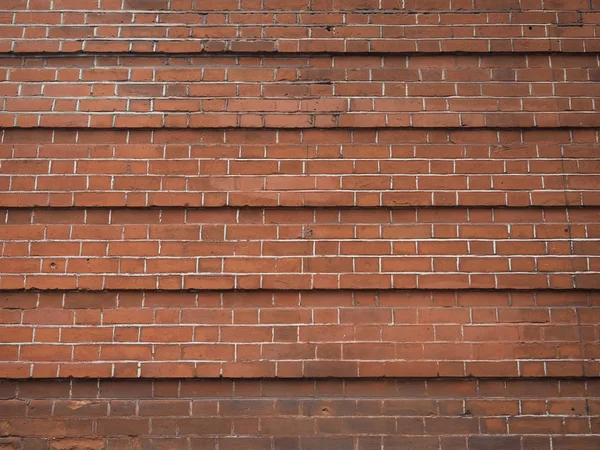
x: 299, y: 224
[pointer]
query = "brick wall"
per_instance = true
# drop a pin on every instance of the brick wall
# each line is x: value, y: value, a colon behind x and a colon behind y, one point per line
x: 306, y: 414
x: 299, y: 224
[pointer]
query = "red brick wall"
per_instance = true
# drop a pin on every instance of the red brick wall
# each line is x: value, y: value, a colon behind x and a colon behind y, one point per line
x: 377, y: 220
x: 308, y: 334
x: 304, y: 414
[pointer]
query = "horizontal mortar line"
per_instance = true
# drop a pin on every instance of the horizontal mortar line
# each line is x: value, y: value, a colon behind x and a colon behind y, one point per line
x: 473, y: 379
x: 274, y: 159
x: 341, y: 435
x: 262, y: 24
x: 403, y: 12
x: 281, y: 191
x: 294, y: 113
x: 275, y: 98
x: 351, y: 378
x: 287, y: 343
x: 299, y: 39
x: 258, y: 274
x: 321, y: 435
x: 279, y: 324
x: 363, y: 208
x: 108, y: 326
x: 260, y: 398
x: 272, y: 274
x: 311, y: 291
x: 288, y: 54
x: 296, y: 25
x: 89, y: 23
x: 295, y: 128
x: 282, y: 324
x: 268, y: 398
x: 304, y: 128
x: 340, y: 397
x: 308, y: 239
x: 271, y: 361
x: 386, y: 240
x: 287, y: 175
x: 305, y: 326
x: 267, y: 360
x: 299, y: 128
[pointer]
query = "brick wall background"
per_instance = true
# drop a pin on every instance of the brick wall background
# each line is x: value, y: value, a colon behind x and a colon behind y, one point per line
x: 299, y: 224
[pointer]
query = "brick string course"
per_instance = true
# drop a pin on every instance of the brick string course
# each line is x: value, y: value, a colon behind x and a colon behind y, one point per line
x: 299, y: 224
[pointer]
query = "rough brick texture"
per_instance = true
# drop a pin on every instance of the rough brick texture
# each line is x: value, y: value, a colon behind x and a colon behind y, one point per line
x: 301, y: 249
x: 301, y: 415
x: 307, y: 334
x: 543, y: 91
x: 294, y: 168
x: 299, y: 224
x: 292, y: 26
